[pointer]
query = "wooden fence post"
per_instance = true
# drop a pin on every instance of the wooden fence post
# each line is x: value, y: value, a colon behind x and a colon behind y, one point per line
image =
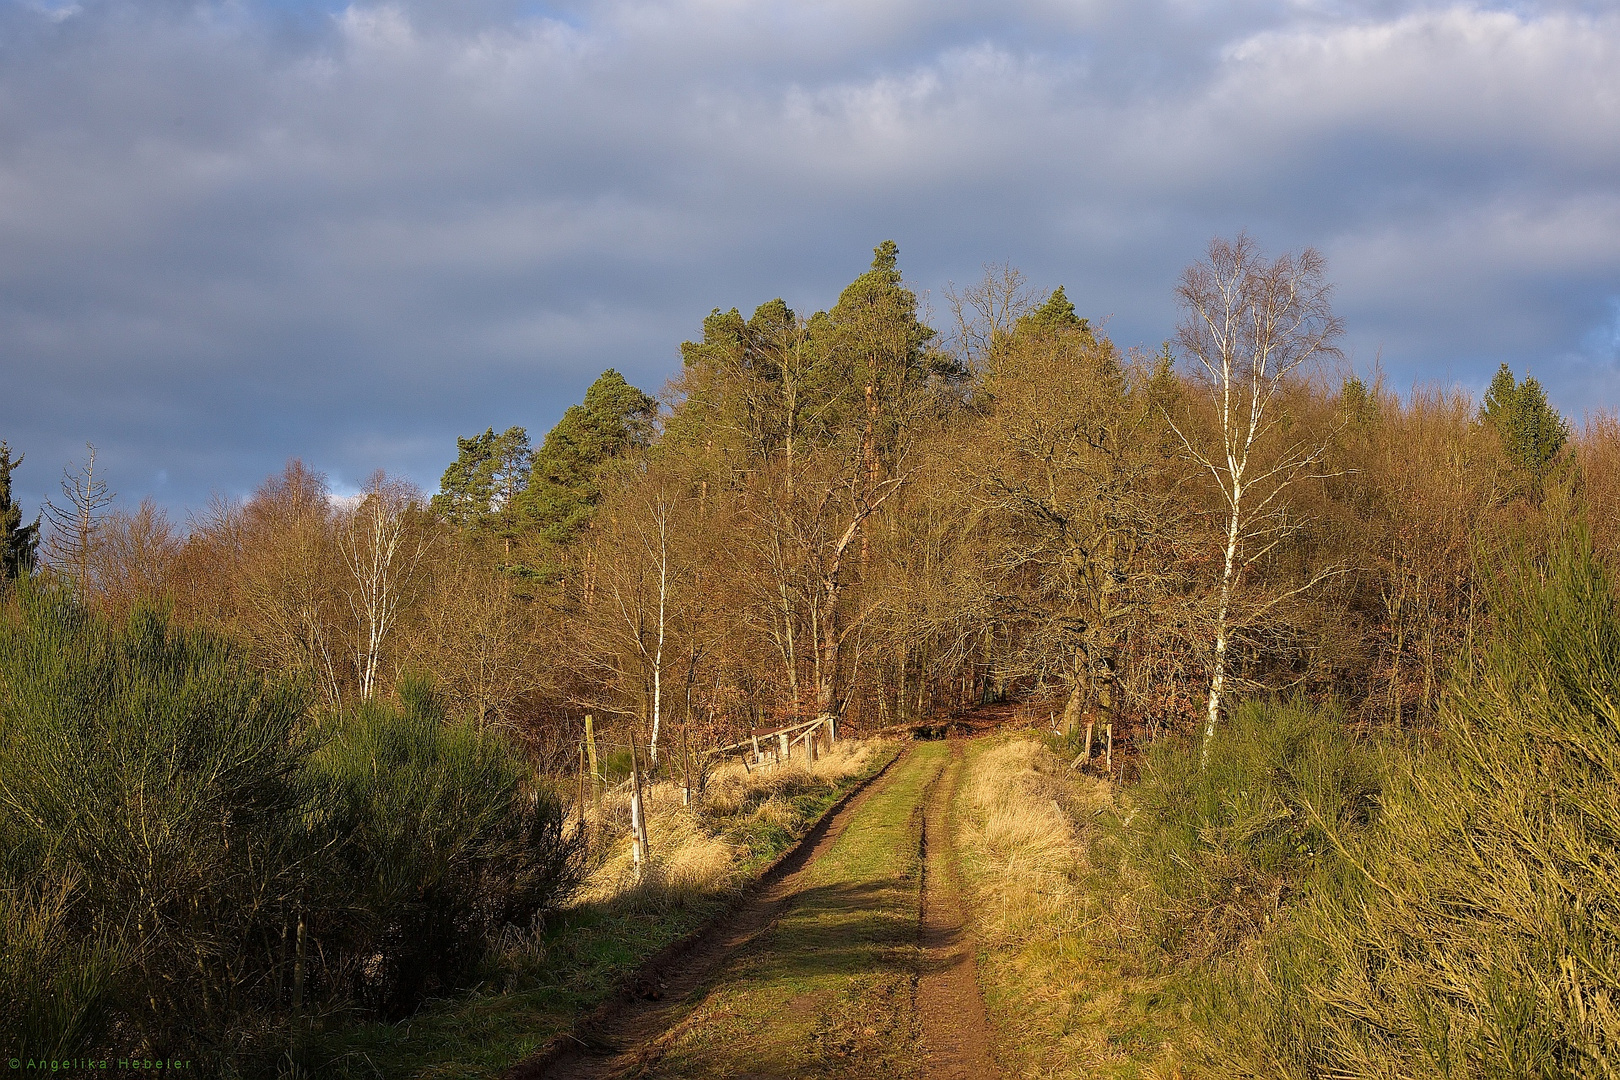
x: 638, y: 812
x: 582, y: 795
x: 759, y: 758
x: 590, y: 748
x: 784, y: 751
x: 686, y: 765
x: 1108, y: 731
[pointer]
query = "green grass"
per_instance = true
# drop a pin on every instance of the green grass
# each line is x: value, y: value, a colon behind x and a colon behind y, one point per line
x: 827, y: 991
x: 583, y: 956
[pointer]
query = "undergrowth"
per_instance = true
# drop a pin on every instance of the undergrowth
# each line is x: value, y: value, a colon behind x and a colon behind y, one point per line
x: 1322, y: 902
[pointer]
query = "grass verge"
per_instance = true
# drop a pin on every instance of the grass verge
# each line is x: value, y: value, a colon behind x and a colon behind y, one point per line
x: 541, y: 982
x: 1066, y: 999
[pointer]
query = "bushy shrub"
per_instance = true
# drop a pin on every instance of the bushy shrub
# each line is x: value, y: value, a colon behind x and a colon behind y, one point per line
x: 1223, y: 846
x: 441, y: 841
x: 1484, y: 937
x: 168, y: 820
x: 152, y: 831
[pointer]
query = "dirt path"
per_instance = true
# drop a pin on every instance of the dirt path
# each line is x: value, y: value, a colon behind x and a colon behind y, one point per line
x: 955, y: 1033
x: 851, y: 962
x: 625, y: 1036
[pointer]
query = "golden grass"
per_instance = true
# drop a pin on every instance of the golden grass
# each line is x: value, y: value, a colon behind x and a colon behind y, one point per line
x: 688, y: 858
x: 1064, y: 1003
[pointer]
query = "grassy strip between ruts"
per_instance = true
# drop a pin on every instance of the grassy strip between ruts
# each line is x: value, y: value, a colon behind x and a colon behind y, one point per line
x: 545, y: 981
x: 827, y: 991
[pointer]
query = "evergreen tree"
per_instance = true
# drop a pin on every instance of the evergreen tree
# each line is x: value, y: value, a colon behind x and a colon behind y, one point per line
x: 19, y: 543
x: 484, y: 486
x: 1056, y: 314
x: 563, y: 491
x: 467, y: 487
x: 1533, y: 433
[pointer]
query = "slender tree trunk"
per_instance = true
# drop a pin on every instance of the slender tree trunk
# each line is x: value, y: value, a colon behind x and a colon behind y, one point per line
x: 1217, y: 677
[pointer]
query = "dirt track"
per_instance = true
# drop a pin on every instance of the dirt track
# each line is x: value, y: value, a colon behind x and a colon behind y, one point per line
x: 955, y: 1034
x: 942, y: 1032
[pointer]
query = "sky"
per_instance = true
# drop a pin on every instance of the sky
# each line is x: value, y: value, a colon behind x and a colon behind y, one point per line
x: 236, y: 232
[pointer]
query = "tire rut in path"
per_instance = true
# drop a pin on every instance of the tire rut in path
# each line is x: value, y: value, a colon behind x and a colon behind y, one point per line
x: 950, y: 1010
x: 624, y: 1036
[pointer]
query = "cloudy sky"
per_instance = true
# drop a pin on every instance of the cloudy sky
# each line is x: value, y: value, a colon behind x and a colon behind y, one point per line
x: 235, y: 232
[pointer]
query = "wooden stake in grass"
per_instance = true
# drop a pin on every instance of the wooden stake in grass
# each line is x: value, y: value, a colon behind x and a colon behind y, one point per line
x: 1086, y: 756
x: 582, y: 795
x: 686, y: 763
x: 638, y: 812
x: 590, y: 748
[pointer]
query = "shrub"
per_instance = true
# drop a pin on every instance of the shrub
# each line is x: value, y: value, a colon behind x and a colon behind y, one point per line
x: 166, y: 824
x: 1483, y: 939
x: 440, y: 843
x: 152, y: 838
x: 1223, y: 847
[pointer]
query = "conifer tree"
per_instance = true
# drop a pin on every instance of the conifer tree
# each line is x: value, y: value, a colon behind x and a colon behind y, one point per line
x: 18, y: 542
x: 563, y: 489
x: 483, y: 488
x: 1533, y: 433
x: 1056, y: 314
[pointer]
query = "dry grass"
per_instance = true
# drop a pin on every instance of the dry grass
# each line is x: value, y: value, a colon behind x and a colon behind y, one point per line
x: 703, y: 851
x: 1063, y: 1003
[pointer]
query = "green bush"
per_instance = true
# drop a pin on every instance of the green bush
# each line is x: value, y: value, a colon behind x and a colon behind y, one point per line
x: 167, y: 822
x: 1222, y: 848
x: 153, y: 833
x: 441, y: 843
x: 1483, y: 939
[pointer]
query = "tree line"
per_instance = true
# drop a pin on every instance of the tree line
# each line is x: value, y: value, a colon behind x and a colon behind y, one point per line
x: 856, y: 514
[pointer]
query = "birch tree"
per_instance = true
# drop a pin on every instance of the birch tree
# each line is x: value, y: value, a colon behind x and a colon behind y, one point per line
x: 381, y: 553
x: 1251, y: 325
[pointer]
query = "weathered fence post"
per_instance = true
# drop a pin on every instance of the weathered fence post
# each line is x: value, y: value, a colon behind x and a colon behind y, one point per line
x: 759, y: 756
x: 784, y: 748
x: 590, y: 748
x: 686, y: 765
x: 638, y: 812
x: 582, y: 795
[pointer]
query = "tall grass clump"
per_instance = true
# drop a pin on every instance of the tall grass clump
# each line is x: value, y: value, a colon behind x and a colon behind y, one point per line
x: 153, y: 836
x: 1482, y: 938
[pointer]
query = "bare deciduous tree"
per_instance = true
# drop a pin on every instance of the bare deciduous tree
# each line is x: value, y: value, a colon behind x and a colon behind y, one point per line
x: 72, y: 544
x: 1252, y: 325
x: 381, y: 552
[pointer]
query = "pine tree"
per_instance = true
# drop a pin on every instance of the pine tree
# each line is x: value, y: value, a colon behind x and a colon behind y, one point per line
x: 19, y: 543
x: 1533, y: 433
x: 1056, y: 314
x: 562, y: 490
x: 483, y: 488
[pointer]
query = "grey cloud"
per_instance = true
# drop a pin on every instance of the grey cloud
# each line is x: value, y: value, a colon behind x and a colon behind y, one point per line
x: 231, y: 233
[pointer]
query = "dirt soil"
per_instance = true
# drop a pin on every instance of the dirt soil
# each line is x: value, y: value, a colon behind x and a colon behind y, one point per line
x: 955, y: 1033
x: 680, y: 995
x: 627, y: 1034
